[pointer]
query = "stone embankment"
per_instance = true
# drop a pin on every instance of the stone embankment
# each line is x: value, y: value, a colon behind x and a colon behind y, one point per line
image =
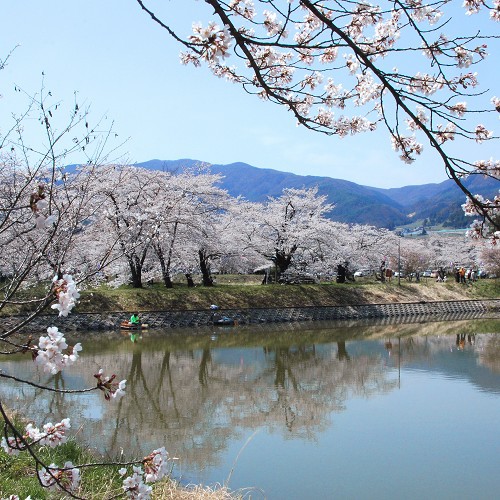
x: 409, y: 312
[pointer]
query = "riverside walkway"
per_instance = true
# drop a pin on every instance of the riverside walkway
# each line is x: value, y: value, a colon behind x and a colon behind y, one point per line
x: 407, y: 312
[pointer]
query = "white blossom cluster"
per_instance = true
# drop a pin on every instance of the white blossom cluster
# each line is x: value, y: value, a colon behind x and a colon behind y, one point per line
x: 52, y: 435
x: 50, y: 353
x: 53, y: 477
x: 155, y: 468
x: 111, y: 388
x: 38, y: 205
x: 44, y: 221
x: 66, y: 292
x: 478, y: 229
x: 134, y: 485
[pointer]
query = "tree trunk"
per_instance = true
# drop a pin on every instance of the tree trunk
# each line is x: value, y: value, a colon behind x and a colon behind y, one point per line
x: 135, y: 272
x: 342, y: 351
x: 167, y: 280
x: 165, y: 273
x: 205, y: 268
x: 189, y: 278
x: 283, y: 259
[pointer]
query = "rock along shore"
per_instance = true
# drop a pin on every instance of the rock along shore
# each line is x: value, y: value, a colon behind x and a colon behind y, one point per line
x: 448, y: 310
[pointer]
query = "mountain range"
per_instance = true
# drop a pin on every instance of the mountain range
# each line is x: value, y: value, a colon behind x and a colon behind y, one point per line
x: 436, y: 204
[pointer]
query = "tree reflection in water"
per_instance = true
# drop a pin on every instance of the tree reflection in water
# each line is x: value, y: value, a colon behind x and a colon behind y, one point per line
x: 194, y: 393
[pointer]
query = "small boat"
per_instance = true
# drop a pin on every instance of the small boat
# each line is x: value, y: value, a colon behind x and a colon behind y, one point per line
x: 127, y: 325
x: 224, y: 321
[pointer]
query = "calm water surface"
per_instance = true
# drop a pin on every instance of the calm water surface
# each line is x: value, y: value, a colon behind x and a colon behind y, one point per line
x: 306, y: 411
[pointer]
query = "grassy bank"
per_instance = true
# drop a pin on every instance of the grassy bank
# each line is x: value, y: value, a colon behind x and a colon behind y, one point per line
x: 237, y: 292
x: 234, y: 295
x: 18, y: 477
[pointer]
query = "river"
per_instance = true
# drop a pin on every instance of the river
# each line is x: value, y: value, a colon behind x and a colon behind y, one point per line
x: 294, y: 411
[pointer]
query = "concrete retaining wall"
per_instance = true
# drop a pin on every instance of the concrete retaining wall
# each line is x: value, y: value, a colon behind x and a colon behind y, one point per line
x: 173, y: 319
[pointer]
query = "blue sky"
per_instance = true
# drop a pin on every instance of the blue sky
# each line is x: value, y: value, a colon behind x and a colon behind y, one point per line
x: 128, y: 69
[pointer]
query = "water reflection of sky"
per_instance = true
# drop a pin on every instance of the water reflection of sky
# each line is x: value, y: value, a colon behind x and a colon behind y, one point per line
x: 313, y: 414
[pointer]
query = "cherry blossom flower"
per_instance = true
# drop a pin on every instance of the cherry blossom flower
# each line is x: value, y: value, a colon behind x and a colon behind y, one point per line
x: 470, y: 206
x: 329, y: 55
x: 482, y: 133
x: 351, y: 63
x: 109, y: 386
x: 67, y: 476
x: 273, y: 27
x: 489, y: 167
x: 156, y: 465
x: 324, y: 117
x: 422, y: 117
x: 52, y: 435
x: 213, y: 41
x: 446, y: 133
x: 134, y: 486
x: 476, y: 230
x: 367, y: 89
x: 50, y: 353
x: 495, y: 11
x: 424, y: 83
x: 464, y: 57
x: 66, y: 292
x: 472, y: 6
x: 496, y: 102
x: 244, y: 8
x: 11, y: 445
x: 408, y: 146
x: 459, y: 108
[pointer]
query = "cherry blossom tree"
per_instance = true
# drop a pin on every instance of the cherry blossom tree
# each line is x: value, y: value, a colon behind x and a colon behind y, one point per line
x: 489, y: 259
x: 361, y: 246
x: 342, y: 68
x: 193, y: 204
x: 132, y: 214
x: 45, y: 208
x: 283, y: 228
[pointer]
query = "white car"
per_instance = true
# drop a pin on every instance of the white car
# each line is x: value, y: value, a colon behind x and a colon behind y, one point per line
x: 362, y: 272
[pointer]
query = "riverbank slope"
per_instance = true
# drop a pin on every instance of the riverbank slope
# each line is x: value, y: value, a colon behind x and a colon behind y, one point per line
x: 234, y: 294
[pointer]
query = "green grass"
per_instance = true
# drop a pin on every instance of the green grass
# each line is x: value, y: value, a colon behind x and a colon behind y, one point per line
x: 233, y: 292
x: 18, y: 473
x: 238, y: 291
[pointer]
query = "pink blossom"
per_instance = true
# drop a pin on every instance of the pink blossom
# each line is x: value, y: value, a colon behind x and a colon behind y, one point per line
x: 67, y: 476
x: 156, y: 465
x: 134, y: 486
x: 482, y: 133
x: 110, y: 387
x: 67, y: 294
x: 212, y: 41
x: 50, y: 353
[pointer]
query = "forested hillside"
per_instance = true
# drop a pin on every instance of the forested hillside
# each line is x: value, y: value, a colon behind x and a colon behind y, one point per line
x: 354, y: 203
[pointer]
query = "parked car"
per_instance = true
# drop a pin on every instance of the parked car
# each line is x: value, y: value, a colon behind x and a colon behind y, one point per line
x: 483, y: 274
x: 427, y: 273
x: 398, y: 274
x: 362, y: 272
